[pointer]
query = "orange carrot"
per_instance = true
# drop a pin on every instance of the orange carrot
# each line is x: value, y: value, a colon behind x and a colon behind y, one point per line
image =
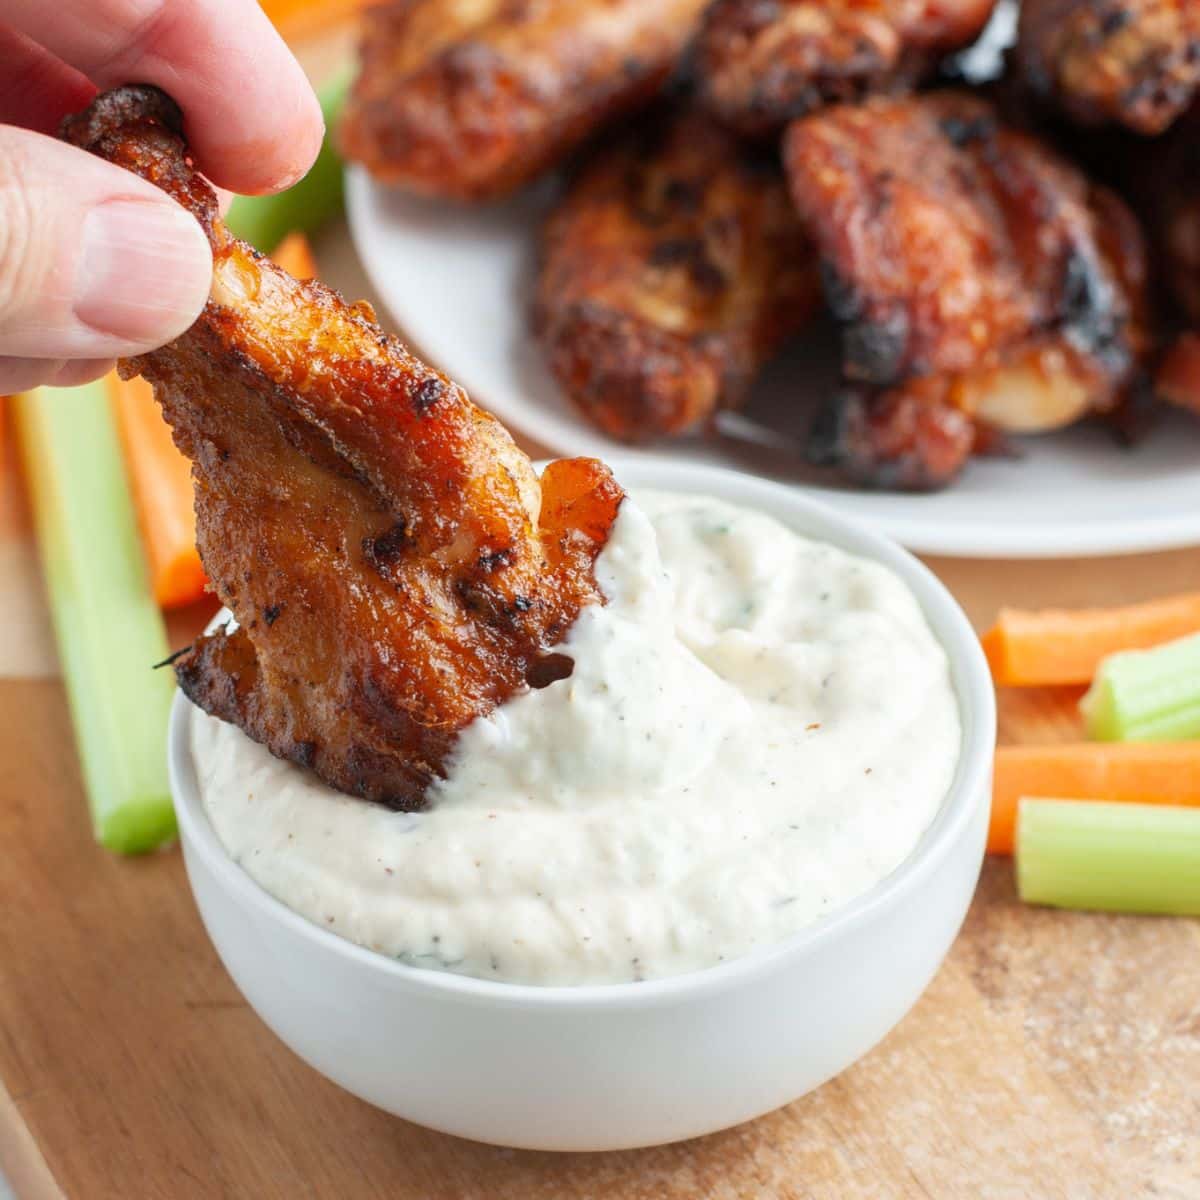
x: 1132, y: 772
x: 1065, y: 646
x: 299, y: 19
x: 161, y: 481
x: 295, y: 256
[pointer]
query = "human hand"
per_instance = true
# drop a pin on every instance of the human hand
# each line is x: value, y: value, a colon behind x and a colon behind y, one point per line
x: 96, y: 263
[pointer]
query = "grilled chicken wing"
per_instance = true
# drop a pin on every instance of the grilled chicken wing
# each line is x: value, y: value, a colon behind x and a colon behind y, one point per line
x: 898, y: 439
x: 763, y: 62
x: 972, y: 268
x: 394, y: 567
x: 1136, y: 62
x: 473, y: 98
x: 671, y: 269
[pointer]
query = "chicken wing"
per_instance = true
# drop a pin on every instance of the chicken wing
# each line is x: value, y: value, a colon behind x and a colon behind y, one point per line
x: 970, y: 265
x: 899, y: 439
x: 393, y: 565
x: 761, y: 63
x: 1136, y: 62
x: 671, y: 269
x: 473, y: 98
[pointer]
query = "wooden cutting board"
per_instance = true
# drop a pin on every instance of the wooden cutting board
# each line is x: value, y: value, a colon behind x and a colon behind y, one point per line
x: 1054, y: 1055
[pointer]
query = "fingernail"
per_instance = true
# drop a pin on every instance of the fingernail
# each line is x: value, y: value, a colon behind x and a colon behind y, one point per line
x: 144, y: 271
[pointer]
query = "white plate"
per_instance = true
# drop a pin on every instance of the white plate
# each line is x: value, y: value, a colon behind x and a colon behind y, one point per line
x: 457, y: 282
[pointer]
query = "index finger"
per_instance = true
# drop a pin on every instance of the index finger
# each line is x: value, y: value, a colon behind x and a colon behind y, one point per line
x: 252, y: 118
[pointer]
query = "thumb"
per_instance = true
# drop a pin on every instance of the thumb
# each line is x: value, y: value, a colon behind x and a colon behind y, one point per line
x: 95, y: 262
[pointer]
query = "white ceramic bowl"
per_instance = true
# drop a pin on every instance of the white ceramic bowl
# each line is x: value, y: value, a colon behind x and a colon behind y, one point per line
x: 631, y: 1064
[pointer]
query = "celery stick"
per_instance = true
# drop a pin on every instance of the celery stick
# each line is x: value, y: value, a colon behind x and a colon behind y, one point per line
x: 1142, y: 858
x: 1147, y: 695
x: 264, y: 221
x: 109, y: 631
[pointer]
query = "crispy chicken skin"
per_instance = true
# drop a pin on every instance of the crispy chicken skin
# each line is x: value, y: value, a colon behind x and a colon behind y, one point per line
x: 671, y: 269
x: 898, y: 439
x: 971, y: 268
x: 761, y: 63
x: 1136, y: 62
x: 394, y: 567
x: 470, y: 99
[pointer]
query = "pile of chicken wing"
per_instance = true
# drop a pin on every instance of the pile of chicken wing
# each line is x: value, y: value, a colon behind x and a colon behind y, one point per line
x: 1003, y: 257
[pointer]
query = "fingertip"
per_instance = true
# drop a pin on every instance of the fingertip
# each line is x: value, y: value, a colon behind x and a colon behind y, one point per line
x: 249, y: 109
x: 298, y: 154
x: 269, y: 155
x: 311, y: 121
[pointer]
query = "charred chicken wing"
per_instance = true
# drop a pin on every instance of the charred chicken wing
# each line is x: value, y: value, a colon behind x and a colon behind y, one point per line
x: 394, y: 567
x: 763, y: 62
x: 972, y: 269
x: 672, y: 268
x: 473, y: 98
x: 1136, y: 62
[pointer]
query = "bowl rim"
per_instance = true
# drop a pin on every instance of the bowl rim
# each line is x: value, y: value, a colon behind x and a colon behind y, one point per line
x: 969, y: 787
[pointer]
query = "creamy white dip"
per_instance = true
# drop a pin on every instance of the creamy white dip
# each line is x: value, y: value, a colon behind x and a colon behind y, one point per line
x: 758, y: 728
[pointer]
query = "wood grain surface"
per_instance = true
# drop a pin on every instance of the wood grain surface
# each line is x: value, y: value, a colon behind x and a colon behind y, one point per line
x: 1055, y: 1055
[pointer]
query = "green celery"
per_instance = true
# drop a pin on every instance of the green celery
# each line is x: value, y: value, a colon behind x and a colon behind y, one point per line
x: 1141, y: 858
x: 1147, y: 695
x: 264, y: 221
x: 109, y: 631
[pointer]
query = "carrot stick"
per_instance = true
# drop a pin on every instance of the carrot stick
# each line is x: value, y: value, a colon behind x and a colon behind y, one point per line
x: 295, y: 256
x: 161, y: 481
x: 1065, y: 646
x: 1132, y: 772
x: 299, y: 19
